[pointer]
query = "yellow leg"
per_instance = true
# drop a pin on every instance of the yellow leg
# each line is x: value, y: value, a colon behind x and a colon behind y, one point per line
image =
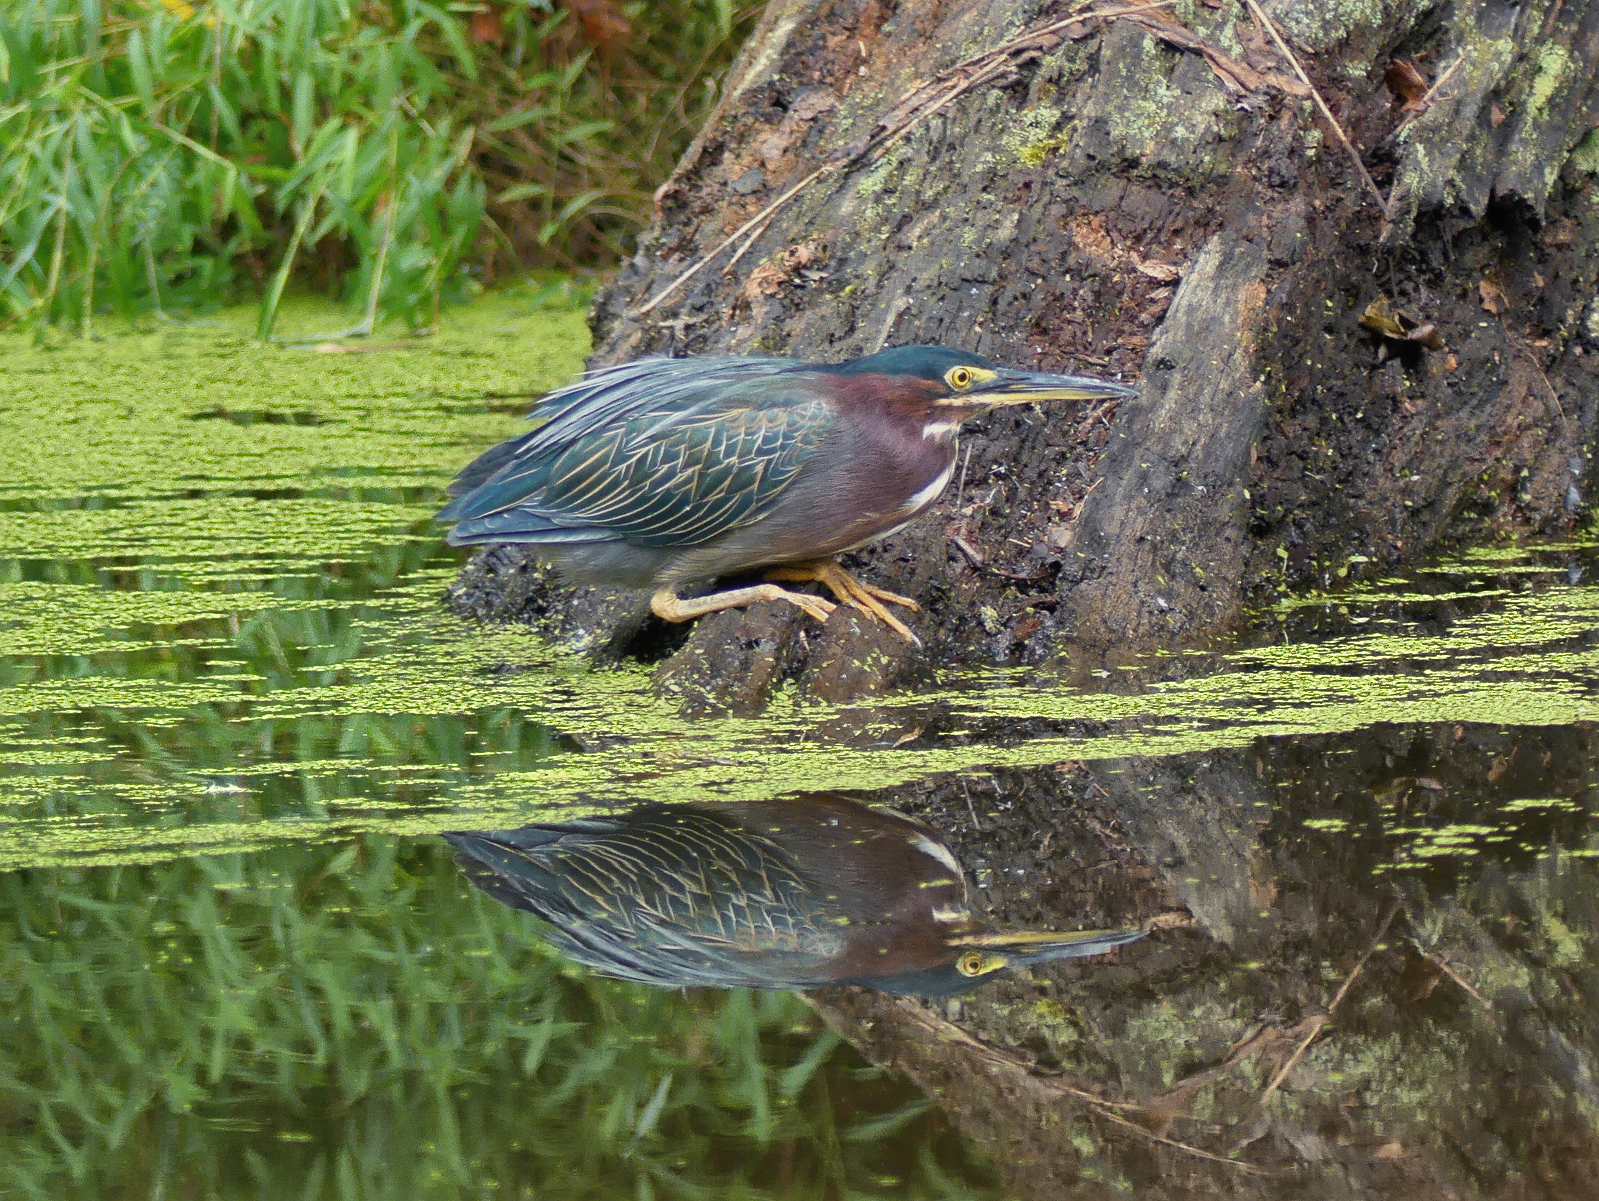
x: 865, y: 597
x: 669, y: 606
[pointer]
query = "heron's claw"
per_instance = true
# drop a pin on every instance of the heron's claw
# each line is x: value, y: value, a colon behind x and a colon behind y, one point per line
x: 866, y: 597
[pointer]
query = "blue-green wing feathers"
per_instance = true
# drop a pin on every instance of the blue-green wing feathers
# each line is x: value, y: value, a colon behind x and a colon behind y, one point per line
x: 665, y: 452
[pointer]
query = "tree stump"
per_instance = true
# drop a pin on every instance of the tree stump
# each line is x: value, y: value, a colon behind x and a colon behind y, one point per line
x: 1351, y: 354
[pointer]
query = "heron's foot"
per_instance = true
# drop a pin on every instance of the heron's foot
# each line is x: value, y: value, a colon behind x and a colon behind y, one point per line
x: 669, y: 606
x: 866, y: 597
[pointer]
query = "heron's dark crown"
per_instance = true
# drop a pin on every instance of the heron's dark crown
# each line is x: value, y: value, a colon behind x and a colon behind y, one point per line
x: 923, y: 362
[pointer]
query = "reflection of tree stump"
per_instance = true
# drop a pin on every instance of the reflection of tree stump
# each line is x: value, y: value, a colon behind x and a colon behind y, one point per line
x: 1348, y: 1031
x: 1157, y: 196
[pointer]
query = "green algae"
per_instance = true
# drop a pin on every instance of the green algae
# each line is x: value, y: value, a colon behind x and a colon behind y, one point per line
x: 220, y: 634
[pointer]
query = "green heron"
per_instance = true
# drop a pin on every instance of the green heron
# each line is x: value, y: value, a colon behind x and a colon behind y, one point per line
x: 796, y: 893
x: 660, y: 473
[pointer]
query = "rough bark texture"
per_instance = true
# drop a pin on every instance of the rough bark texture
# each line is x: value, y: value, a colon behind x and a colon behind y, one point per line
x: 1153, y: 196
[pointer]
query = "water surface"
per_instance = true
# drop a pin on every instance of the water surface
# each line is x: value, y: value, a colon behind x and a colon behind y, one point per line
x: 229, y: 697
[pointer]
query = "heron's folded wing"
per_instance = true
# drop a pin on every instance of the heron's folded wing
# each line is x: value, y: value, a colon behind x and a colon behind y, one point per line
x: 607, y: 396
x: 676, y: 475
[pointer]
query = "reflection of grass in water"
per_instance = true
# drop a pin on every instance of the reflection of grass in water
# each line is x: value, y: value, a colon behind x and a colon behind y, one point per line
x: 358, y: 1022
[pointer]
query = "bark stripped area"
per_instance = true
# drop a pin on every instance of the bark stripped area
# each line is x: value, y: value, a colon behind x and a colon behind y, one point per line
x: 1152, y: 196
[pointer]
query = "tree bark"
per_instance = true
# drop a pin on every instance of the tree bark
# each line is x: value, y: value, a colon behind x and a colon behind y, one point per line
x: 1446, y: 1006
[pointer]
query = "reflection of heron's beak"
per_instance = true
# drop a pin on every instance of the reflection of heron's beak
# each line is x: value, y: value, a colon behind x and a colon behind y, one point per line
x: 1042, y: 946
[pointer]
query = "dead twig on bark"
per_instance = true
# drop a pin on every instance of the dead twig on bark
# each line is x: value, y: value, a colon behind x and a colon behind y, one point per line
x: 946, y: 1031
x: 912, y: 111
x: 1248, y: 1169
x: 1520, y: 347
x: 1427, y: 98
x: 1442, y: 964
x: 1270, y: 27
x: 1177, y: 1097
x: 1317, y: 1026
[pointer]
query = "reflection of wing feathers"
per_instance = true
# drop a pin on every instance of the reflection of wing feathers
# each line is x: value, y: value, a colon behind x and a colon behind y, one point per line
x: 687, y: 898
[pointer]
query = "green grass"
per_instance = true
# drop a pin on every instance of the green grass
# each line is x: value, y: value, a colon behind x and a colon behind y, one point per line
x: 161, y: 156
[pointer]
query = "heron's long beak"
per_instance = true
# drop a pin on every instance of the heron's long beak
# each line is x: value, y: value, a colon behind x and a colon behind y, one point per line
x: 1023, y: 387
x: 1041, y: 946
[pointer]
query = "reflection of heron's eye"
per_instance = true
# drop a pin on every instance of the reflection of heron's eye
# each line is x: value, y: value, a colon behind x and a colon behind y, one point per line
x: 959, y: 377
x: 970, y: 964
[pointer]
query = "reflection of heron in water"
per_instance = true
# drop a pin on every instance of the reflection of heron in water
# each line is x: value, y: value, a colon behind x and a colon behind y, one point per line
x: 797, y: 893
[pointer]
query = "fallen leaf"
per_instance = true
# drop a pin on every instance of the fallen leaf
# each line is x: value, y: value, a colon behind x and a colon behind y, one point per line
x: 1426, y: 982
x: 604, y: 23
x: 1492, y: 297
x: 777, y: 272
x: 1393, y: 1150
x: 1427, y: 334
x: 766, y: 280
x: 1496, y: 116
x: 1380, y: 316
x: 485, y: 24
x: 1026, y: 627
x: 1406, y: 83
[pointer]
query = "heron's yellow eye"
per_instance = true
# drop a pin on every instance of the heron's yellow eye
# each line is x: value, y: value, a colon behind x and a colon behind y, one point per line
x: 959, y: 378
x: 969, y: 964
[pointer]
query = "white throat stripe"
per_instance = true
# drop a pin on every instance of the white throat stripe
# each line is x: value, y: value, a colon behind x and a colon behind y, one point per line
x: 937, y: 851
x: 928, y: 494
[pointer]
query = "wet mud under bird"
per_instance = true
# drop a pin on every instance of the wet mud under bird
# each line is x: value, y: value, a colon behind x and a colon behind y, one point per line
x: 239, y: 958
